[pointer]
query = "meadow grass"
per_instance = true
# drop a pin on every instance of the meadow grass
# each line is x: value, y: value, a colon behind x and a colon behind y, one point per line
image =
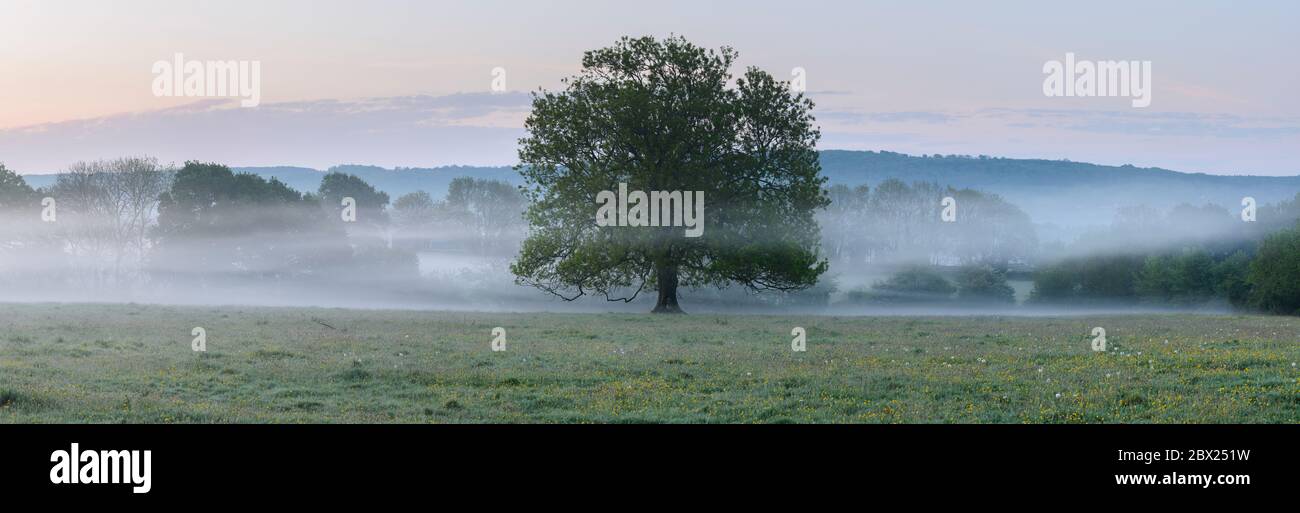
x: 134, y: 364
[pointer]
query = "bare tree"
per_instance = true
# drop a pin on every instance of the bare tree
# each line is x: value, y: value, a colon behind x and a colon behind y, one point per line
x: 105, y: 210
x: 141, y: 181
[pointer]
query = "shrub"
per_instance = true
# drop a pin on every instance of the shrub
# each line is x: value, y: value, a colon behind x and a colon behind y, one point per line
x: 1275, y: 273
x: 984, y: 284
x: 1089, y: 279
x: 1184, y: 279
x: 913, y: 284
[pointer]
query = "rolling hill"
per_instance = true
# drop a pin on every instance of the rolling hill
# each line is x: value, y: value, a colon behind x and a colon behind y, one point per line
x: 1056, y: 193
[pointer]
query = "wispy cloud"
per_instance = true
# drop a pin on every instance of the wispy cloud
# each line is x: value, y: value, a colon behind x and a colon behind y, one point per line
x: 393, y: 131
x: 483, y: 129
x: 1131, y: 122
x: 858, y: 117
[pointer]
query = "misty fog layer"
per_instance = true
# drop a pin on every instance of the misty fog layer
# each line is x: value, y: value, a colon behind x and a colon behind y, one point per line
x: 134, y: 230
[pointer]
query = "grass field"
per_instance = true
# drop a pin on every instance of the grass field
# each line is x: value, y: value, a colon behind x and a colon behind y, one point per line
x: 133, y: 363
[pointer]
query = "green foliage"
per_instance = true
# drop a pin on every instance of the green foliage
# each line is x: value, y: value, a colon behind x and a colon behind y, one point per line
x: 1192, y: 277
x: 1275, y: 273
x: 370, y: 203
x: 14, y: 191
x: 983, y: 283
x: 20, y: 226
x: 1231, y: 278
x: 413, y: 209
x: 1091, y: 279
x: 1182, y: 279
x: 914, y: 284
x: 215, y: 220
x: 663, y: 116
x: 1054, y: 283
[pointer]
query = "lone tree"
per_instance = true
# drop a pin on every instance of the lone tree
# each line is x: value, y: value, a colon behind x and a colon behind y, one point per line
x: 661, y: 116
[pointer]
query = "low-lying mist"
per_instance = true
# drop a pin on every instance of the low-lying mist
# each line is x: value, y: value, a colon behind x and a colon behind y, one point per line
x: 132, y: 230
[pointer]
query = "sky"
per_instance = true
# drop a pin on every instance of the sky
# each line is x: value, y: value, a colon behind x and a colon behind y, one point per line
x: 409, y: 83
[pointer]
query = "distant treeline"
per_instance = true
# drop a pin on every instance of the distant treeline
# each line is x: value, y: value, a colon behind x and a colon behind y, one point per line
x: 111, y: 228
x: 1039, y: 187
x: 132, y: 224
x: 1194, y: 257
x: 896, y: 223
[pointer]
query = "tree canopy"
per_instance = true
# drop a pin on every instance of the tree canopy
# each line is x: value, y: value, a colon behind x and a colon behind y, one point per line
x: 370, y: 203
x: 214, y: 221
x: 1275, y: 273
x: 660, y: 115
x: 14, y: 191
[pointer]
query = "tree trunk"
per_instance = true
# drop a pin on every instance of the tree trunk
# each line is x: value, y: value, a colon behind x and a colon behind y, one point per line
x: 667, y: 279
